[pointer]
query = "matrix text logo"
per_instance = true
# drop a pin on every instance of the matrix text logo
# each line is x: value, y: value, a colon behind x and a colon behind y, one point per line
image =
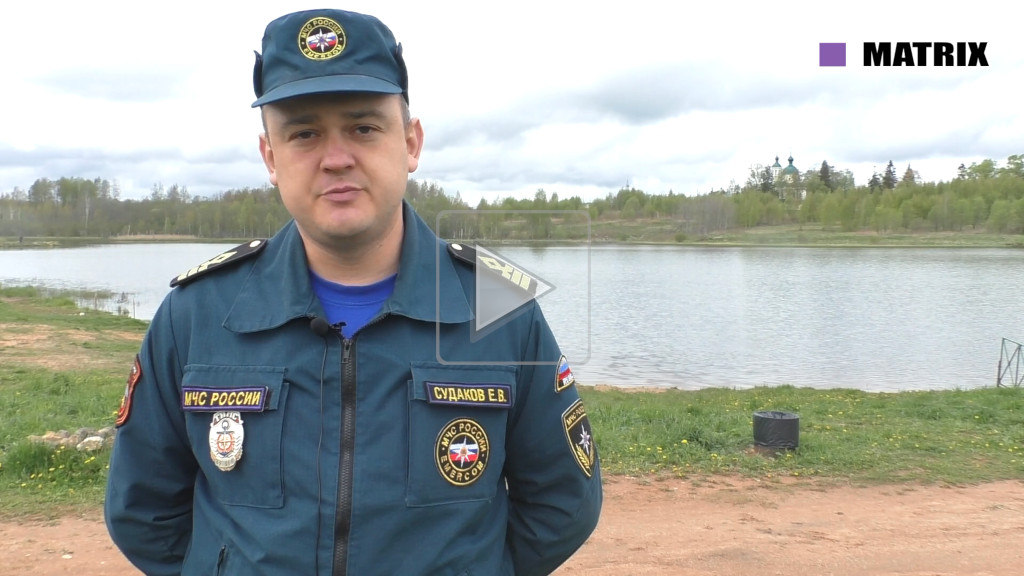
x: 876, y: 54
x: 916, y: 54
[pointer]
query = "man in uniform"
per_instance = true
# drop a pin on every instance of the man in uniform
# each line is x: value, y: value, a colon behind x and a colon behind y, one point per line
x: 317, y: 403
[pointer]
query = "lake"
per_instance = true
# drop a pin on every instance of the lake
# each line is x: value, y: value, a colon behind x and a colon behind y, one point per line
x: 877, y: 319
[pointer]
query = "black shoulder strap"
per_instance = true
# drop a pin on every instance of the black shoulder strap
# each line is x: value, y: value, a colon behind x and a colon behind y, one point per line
x: 236, y: 254
x: 508, y: 273
x: 463, y: 253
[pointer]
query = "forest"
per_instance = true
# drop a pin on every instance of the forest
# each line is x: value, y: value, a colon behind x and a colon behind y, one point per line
x: 984, y: 196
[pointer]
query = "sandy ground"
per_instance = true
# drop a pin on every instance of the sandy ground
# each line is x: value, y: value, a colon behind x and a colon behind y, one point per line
x: 720, y: 526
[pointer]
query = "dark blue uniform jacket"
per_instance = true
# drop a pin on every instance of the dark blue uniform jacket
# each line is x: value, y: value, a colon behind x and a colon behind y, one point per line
x: 411, y: 448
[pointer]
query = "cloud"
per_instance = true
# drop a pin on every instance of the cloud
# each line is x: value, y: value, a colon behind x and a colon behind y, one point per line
x: 204, y: 173
x: 14, y: 157
x: 648, y: 95
x: 576, y: 99
x: 120, y: 85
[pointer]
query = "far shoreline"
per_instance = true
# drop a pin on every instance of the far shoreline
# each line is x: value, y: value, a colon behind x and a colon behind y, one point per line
x: 603, y: 235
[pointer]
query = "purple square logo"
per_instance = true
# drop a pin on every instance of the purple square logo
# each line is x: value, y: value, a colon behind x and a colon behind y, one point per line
x: 832, y: 54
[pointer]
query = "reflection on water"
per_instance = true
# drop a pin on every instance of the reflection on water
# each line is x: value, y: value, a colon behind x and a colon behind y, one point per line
x: 689, y: 317
x: 122, y: 304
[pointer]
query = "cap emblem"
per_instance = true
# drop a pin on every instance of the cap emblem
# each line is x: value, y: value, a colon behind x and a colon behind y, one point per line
x: 321, y: 38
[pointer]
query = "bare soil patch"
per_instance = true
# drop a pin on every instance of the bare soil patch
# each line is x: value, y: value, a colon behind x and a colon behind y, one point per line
x: 56, y: 349
x: 715, y: 526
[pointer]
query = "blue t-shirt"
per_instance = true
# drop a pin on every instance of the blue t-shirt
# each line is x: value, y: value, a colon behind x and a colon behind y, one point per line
x: 353, y: 305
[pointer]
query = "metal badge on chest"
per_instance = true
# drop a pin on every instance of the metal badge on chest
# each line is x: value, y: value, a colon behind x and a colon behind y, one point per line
x: 226, y: 438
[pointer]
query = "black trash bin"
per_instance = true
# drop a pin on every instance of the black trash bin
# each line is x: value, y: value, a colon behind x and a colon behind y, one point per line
x: 778, y: 430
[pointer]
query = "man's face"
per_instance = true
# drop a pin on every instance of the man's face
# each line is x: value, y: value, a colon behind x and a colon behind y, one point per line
x: 341, y: 162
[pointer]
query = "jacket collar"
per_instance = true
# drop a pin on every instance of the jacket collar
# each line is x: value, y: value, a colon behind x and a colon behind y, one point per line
x: 278, y: 290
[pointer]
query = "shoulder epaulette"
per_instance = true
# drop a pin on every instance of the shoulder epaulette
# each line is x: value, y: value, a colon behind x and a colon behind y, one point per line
x: 463, y: 253
x: 236, y: 254
x: 506, y: 272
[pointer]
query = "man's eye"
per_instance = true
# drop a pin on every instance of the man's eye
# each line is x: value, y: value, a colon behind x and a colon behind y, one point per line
x: 304, y: 135
x: 364, y: 130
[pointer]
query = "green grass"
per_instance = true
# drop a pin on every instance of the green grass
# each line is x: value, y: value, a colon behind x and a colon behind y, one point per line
x: 668, y: 231
x: 954, y: 436
x: 61, y: 368
x: 660, y: 231
x: 817, y: 235
x: 36, y: 400
x: 57, y: 309
x: 41, y: 242
x: 72, y: 370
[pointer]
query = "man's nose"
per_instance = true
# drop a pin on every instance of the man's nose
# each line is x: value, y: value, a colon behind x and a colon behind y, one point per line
x: 337, y: 153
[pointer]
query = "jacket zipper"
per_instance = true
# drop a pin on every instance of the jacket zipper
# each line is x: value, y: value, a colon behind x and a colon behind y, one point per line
x: 343, y: 517
x: 220, y: 559
x: 343, y: 514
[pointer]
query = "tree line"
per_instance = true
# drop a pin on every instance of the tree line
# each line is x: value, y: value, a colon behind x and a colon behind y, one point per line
x: 79, y: 207
x: 983, y: 196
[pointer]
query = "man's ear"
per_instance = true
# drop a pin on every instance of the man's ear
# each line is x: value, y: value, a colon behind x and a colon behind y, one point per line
x: 267, y: 152
x: 414, y: 143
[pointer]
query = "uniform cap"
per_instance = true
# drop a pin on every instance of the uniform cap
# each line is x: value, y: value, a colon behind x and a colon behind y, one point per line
x: 321, y: 51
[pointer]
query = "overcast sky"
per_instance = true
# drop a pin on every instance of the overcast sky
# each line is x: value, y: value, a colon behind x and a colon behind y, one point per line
x: 573, y: 97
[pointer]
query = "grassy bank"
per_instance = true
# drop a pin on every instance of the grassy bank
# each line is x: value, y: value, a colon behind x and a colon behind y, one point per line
x: 954, y: 436
x: 40, y: 242
x: 61, y: 368
x: 64, y: 368
x: 666, y: 231
x: 652, y: 231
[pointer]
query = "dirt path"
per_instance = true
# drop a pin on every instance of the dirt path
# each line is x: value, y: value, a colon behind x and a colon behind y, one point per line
x: 720, y: 526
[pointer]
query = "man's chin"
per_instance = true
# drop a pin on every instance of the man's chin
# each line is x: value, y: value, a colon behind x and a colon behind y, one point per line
x: 347, y: 223
x: 348, y: 234
x: 350, y: 228
x: 337, y: 231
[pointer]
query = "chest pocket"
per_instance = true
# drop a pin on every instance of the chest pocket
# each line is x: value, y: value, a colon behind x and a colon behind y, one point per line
x: 250, y: 438
x: 458, y: 417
